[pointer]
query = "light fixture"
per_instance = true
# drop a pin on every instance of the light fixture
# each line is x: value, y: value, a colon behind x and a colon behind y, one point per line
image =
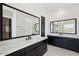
x: 60, y: 8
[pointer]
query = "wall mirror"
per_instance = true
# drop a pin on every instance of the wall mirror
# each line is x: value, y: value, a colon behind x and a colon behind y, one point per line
x: 18, y: 23
x: 64, y: 26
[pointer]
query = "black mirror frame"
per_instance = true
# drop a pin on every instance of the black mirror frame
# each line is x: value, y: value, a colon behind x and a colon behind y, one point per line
x: 1, y: 21
x: 65, y: 20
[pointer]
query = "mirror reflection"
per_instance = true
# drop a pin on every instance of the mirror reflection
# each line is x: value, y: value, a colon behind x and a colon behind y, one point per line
x: 16, y: 23
x: 64, y: 26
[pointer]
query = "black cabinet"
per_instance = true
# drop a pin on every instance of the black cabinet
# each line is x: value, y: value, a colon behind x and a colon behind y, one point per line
x: 37, y: 49
x: 73, y: 44
x: 64, y: 42
x: 17, y: 53
x: 35, y: 52
x: 50, y: 40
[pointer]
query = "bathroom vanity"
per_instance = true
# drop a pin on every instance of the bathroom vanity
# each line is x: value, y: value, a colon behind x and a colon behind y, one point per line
x: 22, y: 47
x: 17, y: 31
x: 64, y: 42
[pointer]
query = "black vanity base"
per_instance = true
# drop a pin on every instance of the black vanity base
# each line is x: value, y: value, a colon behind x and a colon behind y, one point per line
x: 64, y: 42
x: 37, y: 49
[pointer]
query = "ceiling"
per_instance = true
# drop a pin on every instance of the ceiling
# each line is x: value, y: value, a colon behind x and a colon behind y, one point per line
x: 49, y: 7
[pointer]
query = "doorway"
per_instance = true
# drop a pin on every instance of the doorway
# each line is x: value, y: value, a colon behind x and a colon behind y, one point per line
x: 6, y: 28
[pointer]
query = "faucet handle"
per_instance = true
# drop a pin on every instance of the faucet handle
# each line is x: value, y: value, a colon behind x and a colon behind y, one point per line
x: 29, y: 37
x: 26, y: 38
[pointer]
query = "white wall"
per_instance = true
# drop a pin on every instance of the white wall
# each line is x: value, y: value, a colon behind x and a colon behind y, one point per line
x: 61, y: 14
x: 64, y: 14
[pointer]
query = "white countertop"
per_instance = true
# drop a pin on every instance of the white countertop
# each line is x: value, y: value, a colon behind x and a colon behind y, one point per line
x: 9, y: 46
x: 62, y: 35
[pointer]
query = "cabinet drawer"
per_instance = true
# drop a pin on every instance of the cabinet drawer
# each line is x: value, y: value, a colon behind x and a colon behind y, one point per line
x: 34, y: 52
x: 29, y: 48
x: 44, y: 50
x: 38, y: 51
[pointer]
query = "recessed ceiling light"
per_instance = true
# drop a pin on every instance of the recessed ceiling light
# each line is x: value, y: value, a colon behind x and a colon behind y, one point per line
x: 60, y: 8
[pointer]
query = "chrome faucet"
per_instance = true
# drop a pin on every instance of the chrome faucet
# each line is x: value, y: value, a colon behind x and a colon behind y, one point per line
x: 29, y: 37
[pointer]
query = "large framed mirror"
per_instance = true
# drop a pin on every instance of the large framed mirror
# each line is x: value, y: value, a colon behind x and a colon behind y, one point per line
x: 17, y: 23
x: 67, y: 26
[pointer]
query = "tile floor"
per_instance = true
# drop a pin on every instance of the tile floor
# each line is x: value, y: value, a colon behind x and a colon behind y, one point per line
x: 56, y: 51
